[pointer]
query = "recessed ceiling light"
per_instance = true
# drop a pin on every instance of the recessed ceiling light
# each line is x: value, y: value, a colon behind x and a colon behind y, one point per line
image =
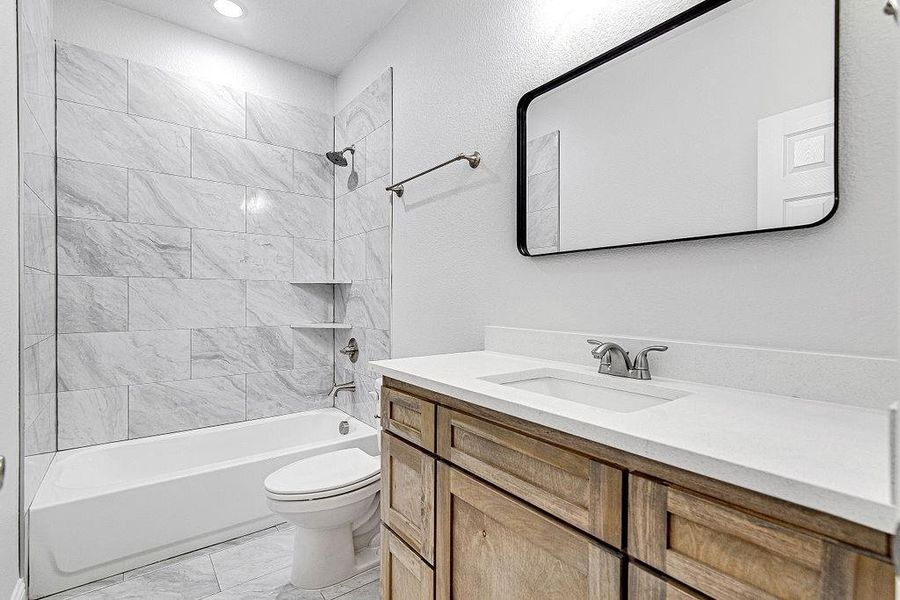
x: 228, y: 8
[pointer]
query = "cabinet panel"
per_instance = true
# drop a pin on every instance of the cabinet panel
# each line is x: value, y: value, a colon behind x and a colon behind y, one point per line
x: 728, y: 553
x: 408, y: 417
x: 407, y: 498
x: 494, y: 547
x: 644, y: 585
x: 404, y: 576
x: 582, y: 492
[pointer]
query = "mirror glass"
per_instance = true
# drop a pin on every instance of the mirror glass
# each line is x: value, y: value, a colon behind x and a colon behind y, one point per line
x: 724, y: 123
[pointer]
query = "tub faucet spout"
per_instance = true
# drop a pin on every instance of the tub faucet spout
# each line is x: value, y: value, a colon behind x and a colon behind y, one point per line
x: 342, y: 387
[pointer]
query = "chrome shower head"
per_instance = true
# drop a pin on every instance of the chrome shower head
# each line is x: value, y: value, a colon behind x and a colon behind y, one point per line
x: 338, y: 157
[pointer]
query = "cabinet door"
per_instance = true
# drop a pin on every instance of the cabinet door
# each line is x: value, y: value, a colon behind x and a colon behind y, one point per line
x: 404, y: 576
x: 493, y: 547
x: 644, y: 585
x: 570, y: 486
x: 725, y: 552
x: 408, y: 417
x: 407, y: 494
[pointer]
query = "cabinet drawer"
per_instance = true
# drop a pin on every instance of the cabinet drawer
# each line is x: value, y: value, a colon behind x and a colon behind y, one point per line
x: 644, y: 585
x: 725, y: 552
x: 408, y: 417
x: 580, y: 491
x: 404, y: 576
x: 407, y: 494
x: 494, y: 547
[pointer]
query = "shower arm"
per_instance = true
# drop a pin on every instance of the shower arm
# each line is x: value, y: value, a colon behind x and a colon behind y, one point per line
x: 474, y: 160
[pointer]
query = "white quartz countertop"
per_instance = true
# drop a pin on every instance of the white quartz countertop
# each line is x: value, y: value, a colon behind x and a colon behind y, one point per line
x: 825, y: 456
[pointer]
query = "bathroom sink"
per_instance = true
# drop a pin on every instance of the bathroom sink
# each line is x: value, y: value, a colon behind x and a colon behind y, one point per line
x: 608, y: 393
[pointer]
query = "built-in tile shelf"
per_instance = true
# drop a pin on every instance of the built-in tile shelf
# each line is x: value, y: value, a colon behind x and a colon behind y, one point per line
x: 321, y: 326
x: 323, y: 282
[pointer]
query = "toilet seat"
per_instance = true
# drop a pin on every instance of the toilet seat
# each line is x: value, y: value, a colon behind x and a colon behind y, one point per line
x: 324, y: 476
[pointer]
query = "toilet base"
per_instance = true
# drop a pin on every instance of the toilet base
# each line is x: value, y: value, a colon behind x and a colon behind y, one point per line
x: 325, y: 557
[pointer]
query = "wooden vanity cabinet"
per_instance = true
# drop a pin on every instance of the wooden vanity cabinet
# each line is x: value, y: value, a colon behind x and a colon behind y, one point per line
x: 479, y: 505
x: 726, y: 552
x: 404, y: 575
x: 493, y: 546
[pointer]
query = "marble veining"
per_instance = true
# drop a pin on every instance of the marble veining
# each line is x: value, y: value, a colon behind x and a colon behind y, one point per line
x: 103, y: 136
x: 313, y: 348
x: 542, y: 190
x: 166, y: 96
x: 366, y: 112
x: 368, y: 304
x: 313, y: 174
x: 38, y: 233
x: 189, y: 580
x: 364, y: 209
x: 279, y: 302
x: 107, y: 248
x: 107, y: 359
x: 95, y: 416
x: 378, y: 253
x: 288, y: 214
x: 157, y: 408
x: 160, y: 199
x: 542, y: 154
x: 234, y: 160
x: 285, y: 392
x: 229, y: 351
x: 247, y: 561
x: 39, y: 174
x: 350, y: 257
x: 36, y: 202
x: 89, y: 304
x: 92, y: 191
x: 165, y: 303
x: 37, y: 302
x: 241, y: 256
x: 39, y: 367
x: 312, y: 259
x: 378, y: 152
x: 281, y: 124
x: 90, y: 77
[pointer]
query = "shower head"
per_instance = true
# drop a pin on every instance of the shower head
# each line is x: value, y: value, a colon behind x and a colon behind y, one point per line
x: 338, y: 157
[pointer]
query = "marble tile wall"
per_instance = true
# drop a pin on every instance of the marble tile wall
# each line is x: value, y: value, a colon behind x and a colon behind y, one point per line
x: 37, y: 116
x: 542, y: 185
x: 185, y: 209
x: 362, y: 246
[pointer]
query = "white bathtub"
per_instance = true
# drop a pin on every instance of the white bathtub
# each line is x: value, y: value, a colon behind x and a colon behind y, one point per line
x: 107, y: 509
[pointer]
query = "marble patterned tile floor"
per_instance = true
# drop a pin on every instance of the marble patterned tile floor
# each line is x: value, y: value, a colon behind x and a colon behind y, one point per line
x: 252, y: 567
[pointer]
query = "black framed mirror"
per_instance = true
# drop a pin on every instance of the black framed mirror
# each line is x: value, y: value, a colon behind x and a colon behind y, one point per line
x: 720, y: 121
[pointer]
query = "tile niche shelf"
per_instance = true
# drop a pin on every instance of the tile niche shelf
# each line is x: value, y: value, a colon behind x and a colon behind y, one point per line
x: 321, y: 326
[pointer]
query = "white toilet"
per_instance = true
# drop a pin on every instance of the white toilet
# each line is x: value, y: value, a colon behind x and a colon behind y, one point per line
x: 333, y: 501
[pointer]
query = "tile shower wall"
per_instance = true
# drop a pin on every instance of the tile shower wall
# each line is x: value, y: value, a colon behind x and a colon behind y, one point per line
x: 185, y: 209
x: 37, y: 116
x: 542, y: 185
x: 363, y: 240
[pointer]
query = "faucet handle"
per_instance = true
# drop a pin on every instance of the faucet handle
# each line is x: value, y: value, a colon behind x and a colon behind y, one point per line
x: 605, y: 359
x: 642, y: 364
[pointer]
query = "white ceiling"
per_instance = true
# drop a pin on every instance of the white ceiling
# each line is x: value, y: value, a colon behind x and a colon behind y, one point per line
x: 321, y: 34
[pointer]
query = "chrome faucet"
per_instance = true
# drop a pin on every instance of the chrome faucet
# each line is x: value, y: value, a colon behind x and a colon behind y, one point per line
x: 341, y: 387
x: 615, y: 360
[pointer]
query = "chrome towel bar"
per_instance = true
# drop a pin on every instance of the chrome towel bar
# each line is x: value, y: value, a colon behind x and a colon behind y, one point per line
x: 474, y: 160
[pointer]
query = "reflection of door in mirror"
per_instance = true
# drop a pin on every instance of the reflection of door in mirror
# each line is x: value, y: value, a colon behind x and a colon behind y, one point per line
x: 796, y: 166
x: 542, y: 180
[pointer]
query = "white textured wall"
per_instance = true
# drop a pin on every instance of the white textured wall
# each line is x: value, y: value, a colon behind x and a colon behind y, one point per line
x: 459, y: 69
x: 9, y: 302
x: 129, y: 34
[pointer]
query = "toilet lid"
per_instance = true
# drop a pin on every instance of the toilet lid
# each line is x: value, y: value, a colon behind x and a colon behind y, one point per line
x: 324, y: 472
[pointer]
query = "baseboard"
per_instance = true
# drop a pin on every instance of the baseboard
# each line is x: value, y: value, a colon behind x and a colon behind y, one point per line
x: 19, y: 592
